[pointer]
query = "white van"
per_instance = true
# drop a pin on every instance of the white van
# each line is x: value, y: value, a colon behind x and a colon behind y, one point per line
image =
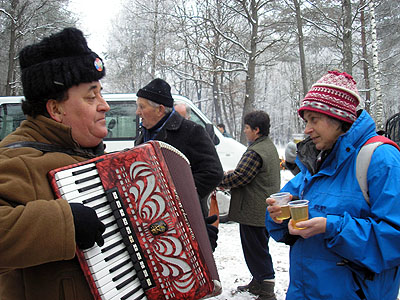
x: 123, y: 128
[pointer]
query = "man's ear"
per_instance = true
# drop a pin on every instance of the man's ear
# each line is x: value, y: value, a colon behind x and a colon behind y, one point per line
x: 161, y: 109
x: 55, y: 110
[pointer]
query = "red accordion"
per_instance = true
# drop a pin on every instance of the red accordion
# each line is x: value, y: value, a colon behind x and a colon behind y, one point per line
x: 156, y: 243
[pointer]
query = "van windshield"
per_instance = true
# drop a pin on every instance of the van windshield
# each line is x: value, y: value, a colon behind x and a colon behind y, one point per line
x: 10, y: 117
x: 121, y: 120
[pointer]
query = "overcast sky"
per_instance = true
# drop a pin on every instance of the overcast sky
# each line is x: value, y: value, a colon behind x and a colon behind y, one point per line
x: 94, y: 19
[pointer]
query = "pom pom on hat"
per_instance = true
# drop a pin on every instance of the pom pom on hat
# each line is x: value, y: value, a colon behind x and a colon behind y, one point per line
x: 335, y: 95
x: 57, y: 63
x: 158, y: 91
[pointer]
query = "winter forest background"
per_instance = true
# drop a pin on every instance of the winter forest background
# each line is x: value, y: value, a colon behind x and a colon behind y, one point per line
x: 230, y: 56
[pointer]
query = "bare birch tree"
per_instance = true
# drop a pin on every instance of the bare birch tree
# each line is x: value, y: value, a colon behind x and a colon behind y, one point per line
x: 378, y: 111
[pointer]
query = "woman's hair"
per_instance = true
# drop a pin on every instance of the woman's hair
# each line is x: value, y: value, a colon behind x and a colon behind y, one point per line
x: 258, y: 119
x: 344, y: 126
x: 38, y: 107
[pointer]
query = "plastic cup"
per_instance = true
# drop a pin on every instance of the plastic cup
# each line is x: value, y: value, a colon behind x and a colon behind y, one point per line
x: 282, y: 200
x: 299, y: 211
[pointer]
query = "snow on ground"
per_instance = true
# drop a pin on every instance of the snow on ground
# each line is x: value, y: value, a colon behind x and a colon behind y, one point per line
x: 232, y: 268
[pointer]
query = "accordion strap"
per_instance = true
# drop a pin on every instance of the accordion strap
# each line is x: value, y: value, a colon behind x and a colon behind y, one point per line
x: 50, y: 148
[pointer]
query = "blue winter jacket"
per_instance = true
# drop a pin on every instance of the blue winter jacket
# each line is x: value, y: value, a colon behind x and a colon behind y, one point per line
x: 366, y: 236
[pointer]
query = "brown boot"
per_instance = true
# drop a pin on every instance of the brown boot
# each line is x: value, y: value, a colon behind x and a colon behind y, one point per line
x: 245, y: 288
x: 265, y: 290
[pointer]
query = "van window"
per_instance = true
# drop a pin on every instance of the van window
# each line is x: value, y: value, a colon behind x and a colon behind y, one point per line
x: 10, y: 117
x: 121, y: 120
x: 195, y: 118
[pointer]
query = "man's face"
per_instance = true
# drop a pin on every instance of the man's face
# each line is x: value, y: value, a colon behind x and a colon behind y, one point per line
x: 251, y: 134
x: 84, y: 111
x: 180, y: 108
x: 149, y: 114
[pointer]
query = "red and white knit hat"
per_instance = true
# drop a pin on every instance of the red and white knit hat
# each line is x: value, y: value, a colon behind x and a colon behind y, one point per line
x: 335, y: 95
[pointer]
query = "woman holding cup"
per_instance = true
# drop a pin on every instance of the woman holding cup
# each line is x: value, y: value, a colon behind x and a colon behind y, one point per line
x: 348, y: 248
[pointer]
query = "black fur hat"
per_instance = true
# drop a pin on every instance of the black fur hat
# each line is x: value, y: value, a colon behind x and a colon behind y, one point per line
x: 158, y: 91
x: 57, y: 63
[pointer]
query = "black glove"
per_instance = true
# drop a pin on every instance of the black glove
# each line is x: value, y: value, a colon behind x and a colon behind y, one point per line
x: 88, y: 227
x: 212, y: 231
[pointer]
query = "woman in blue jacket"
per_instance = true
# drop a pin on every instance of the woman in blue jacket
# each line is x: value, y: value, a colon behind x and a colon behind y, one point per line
x: 348, y: 249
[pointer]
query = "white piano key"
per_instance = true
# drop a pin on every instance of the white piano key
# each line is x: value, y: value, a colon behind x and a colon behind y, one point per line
x: 106, y: 271
x: 73, y: 179
x: 95, y: 251
x: 100, y: 257
x: 75, y: 187
x: 105, y: 280
x: 75, y: 194
x: 132, y: 286
x: 82, y: 197
x: 104, y: 264
x: 67, y: 173
x: 113, y: 291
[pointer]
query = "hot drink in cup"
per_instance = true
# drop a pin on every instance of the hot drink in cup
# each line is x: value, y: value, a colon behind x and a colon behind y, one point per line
x: 299, y: 211
x: 282, y: 200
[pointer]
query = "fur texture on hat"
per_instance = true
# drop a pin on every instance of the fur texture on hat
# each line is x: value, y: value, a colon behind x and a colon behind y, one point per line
x: 57, y: 63
x: 335, y: 95
x: 158, y: 91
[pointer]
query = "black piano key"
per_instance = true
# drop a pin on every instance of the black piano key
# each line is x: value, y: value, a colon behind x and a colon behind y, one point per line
x: 105, y: 249
x: 75, y: 173
x: 100, y: 205
x: 106, y: 235
x: 133, y: 292
x: 119, y: 266
x: 82, y: 180
x: 89, y: 187
x: 93, y: 199
x: 119, y: 276
x: 106, y: 216
x: 110, y: 257
x: 125, y: 282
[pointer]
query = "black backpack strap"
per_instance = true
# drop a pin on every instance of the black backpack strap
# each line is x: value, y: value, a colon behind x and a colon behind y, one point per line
x: 49, y: 148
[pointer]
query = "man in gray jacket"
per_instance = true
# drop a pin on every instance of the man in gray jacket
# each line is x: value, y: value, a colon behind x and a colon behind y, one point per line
x: 256, y: 176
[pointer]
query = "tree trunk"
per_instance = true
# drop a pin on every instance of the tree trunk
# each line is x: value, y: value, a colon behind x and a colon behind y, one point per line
x: 347, y: 38
x: 11, y: 51
x: 249, y: 97
x: 154, y: 38
x: 375, y: 66
x: 365, y: 60
x: 301, y: 47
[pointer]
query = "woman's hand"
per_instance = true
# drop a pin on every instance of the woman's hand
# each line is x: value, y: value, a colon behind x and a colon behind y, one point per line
x: 310, y: 227
x: 273, y: 210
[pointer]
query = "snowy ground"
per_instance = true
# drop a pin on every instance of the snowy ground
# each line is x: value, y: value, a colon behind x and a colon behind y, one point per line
x: 232, y: 268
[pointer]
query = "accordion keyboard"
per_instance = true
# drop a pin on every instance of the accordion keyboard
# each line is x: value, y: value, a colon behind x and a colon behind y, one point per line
x: 116, y: 272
